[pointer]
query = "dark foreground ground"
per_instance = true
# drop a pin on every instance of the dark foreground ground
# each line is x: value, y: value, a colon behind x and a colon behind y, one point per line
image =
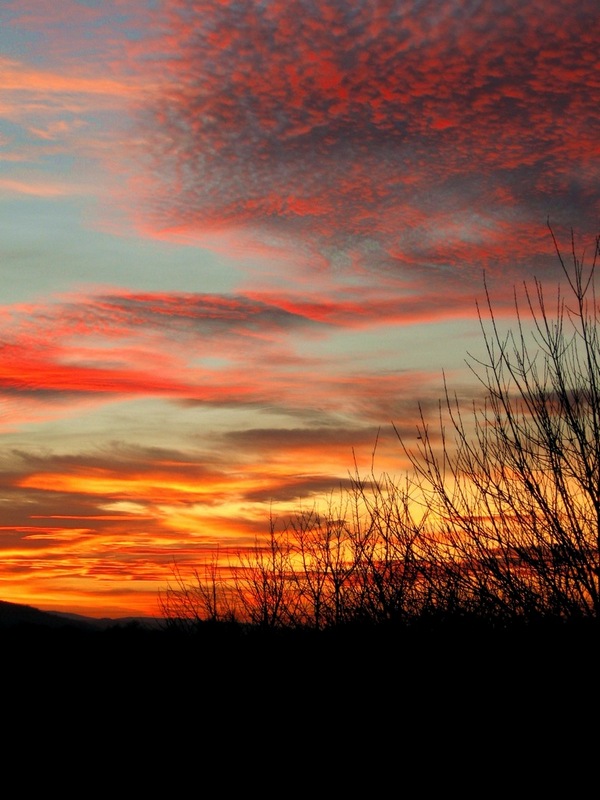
x: 233, y: 712
x: 376, y: 658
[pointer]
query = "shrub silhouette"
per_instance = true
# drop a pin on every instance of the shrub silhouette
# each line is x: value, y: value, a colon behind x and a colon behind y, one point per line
x: 496, y: 524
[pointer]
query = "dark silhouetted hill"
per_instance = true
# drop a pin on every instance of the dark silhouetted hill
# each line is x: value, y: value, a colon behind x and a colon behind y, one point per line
x: 14, y: 615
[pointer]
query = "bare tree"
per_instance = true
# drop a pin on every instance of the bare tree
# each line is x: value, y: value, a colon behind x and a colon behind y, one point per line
x: 390, y: 553
x: 328, y: 545
x: 263, y: 583
x: 205, y: 597
x: 515, y: 485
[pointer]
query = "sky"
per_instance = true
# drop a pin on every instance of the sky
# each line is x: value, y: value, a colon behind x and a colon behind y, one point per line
x: 240, y: 242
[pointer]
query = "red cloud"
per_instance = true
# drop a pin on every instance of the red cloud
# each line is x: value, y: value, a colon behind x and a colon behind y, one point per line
x: 210, y: 349
x: 330, y: 124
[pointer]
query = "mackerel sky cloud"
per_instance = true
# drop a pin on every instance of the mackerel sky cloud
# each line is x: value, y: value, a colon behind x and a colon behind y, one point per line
x: 239, y: 239
x: 399, y: 138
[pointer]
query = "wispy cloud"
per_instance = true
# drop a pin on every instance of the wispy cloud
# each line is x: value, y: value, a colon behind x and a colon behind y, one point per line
x: 192, y: 348
x: 37, y: 189
x: 19, y: 77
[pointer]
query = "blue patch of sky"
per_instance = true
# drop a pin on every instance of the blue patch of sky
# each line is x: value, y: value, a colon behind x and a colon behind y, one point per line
x: 45, y: 250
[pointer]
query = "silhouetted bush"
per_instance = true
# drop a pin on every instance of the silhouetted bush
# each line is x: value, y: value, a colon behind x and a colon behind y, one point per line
x: 493, y: 531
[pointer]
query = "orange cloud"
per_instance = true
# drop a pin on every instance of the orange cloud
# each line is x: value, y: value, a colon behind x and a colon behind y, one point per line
x: 17, y: 76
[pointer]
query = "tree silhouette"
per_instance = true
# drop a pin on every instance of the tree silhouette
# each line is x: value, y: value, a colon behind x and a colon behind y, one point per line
x: 497, y: 520
x: 515, y: 485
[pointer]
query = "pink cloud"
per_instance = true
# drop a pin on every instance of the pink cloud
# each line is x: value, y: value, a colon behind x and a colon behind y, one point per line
x: 17, y: 76
x: 35, y: 188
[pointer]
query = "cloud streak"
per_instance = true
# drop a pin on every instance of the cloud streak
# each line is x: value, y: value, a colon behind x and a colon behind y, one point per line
x: 196, y: 349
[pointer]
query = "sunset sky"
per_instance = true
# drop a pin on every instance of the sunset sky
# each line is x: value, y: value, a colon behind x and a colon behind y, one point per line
x: 239, y: 238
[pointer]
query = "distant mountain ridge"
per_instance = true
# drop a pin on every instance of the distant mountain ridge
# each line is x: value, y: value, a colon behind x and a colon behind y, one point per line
x: 17, y: 614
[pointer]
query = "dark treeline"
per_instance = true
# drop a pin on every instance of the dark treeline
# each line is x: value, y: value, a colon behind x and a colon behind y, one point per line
x: 495, y: 527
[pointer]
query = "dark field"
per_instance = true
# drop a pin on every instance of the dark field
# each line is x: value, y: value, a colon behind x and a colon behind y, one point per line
x: 445, y: 704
